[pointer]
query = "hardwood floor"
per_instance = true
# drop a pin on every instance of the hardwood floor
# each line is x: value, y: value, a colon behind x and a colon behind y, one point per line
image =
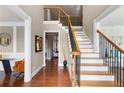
x: 49, y: 76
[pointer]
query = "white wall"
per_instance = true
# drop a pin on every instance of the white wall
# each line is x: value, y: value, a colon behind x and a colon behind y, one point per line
x: 90, y: 12
x: 111, y: 31
x: 36, y: 13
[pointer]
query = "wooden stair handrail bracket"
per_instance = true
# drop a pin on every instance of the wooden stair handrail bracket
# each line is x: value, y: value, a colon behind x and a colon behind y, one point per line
x: 110, y: 41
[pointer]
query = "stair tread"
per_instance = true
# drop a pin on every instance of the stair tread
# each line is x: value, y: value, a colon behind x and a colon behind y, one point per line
x: 90, y: 58
x: 83, y: 41
x: 94, y: 73
x: 92, y: 83
x: 90, y: 52
x: 92, y: 64
x: 87, y: 48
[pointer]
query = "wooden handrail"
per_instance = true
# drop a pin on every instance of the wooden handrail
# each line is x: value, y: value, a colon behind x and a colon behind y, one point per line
x: 110, y: 41
x: 69, y: 21
x: 72, y: 16
x: 78, y: 49
x: 63, y: 11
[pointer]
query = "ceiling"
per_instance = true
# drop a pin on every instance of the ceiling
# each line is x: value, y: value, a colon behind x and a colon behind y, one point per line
x: 7, y: 15
x: 114, y: 18
x: 70, y: 9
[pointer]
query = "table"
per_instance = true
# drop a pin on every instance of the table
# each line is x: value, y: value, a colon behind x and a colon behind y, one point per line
x: 6, y: 65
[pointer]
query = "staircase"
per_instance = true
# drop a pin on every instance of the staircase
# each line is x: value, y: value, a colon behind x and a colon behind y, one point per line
x: 92, y: 70
x: 86, y: 67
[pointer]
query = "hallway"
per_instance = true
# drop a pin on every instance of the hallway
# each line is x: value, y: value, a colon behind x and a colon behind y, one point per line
x: 51, y: 76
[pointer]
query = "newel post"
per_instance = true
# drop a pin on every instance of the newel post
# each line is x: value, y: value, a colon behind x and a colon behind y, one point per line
x: 74, y: 81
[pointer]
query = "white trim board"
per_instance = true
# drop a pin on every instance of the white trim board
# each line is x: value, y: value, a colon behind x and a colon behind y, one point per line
x: 97, y: 77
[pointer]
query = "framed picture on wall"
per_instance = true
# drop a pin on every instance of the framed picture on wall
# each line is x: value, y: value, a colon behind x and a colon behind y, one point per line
x: 38, y: 43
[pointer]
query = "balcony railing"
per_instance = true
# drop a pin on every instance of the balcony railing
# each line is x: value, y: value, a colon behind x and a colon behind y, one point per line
x: 113, y: 57
x: 59, y: 13
x: 74, y: 45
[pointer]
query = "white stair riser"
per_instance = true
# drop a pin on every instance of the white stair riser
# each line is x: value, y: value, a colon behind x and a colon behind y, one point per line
x: 85, y: 46
x: 84, y: 43
x: 82, y: 38
x: 79, y: 32
x: 94, y: 68
x: 97, y: 77
x: 77, y: 29
x: 90, y: 55
x: 86, y: 50
x: 98, y: 61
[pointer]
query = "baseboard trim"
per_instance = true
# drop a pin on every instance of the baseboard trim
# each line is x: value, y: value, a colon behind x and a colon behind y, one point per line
x: 36, y: 71
x: 60, y: 64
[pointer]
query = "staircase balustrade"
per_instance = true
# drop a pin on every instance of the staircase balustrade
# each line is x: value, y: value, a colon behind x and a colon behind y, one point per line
x: 113, y: 57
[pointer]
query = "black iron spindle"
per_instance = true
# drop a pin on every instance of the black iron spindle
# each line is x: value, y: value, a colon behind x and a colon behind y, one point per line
x: 123, y: 70
x: 110, y: 56
x: 112, y: 61
x: 120, y: 69
x: 117, y: 66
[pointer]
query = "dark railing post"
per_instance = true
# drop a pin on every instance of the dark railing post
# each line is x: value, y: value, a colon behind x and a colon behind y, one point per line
x: 120, y: 69
x: 78, y: 69
x: 123, y: 70
x: 112, y: 61
x: 108, y: 55
x: 117, y: 66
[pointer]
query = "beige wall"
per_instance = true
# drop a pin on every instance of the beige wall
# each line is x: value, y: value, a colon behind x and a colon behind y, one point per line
x: 20, y: 39
x: 90, y: 12
x: 36, y: 13
x: 8, y: 30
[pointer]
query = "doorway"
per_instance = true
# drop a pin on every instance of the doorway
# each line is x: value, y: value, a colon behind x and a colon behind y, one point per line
x: 51, y: 47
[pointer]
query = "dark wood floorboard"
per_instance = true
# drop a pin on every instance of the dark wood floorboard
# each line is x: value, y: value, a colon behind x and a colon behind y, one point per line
x: 49, y: 76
